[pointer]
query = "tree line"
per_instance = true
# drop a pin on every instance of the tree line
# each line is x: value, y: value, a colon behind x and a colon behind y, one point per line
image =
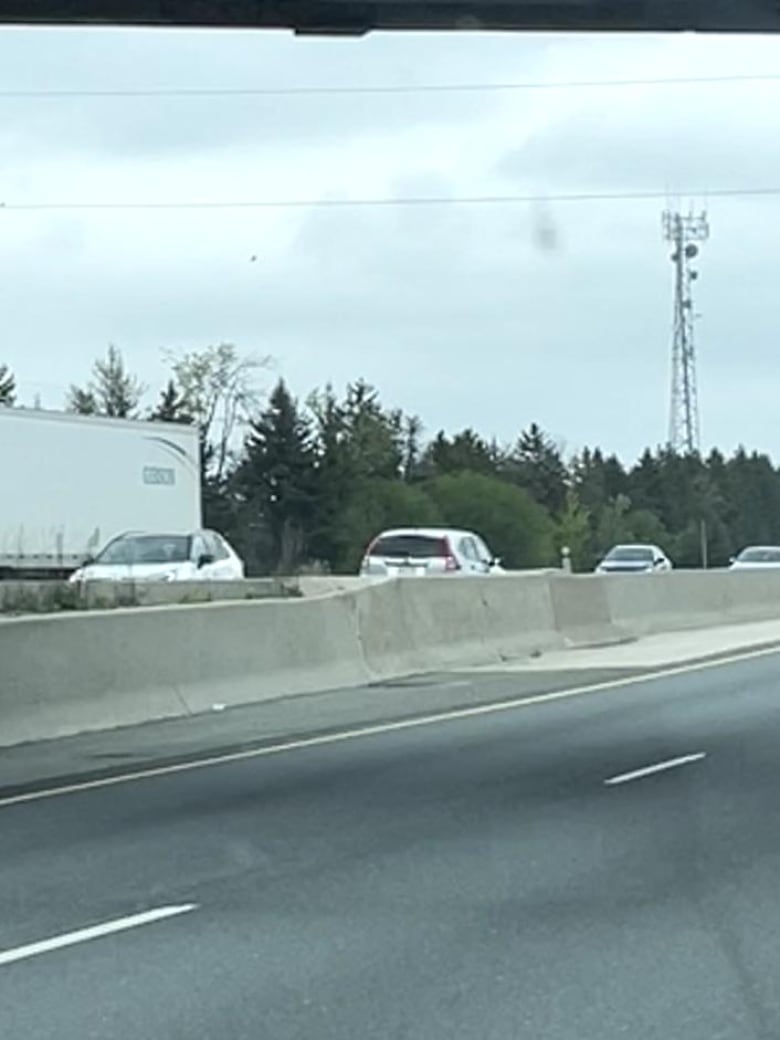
x: 306, y: 484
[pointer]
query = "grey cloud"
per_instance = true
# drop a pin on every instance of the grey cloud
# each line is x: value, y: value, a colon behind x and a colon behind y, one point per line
x: 663, y: 141
x: 39, y: 59
x: 133, y: 126
x: 428, y: 313
x: 450, y: 314
x: 139, y: 127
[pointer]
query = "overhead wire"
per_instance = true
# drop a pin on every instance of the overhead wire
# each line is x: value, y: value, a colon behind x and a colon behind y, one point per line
x: 393, y: 201
x: 390, y: 201
x: 390, y: 88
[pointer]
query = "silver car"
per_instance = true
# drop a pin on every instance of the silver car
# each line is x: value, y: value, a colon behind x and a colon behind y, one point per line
x: 756, y: 557
x: 634, y: 559
x: 150, y: 556
x: 424, y: 551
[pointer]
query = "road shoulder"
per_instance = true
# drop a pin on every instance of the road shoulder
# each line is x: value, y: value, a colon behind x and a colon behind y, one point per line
x: 101, y: 754
x: 104, y: 753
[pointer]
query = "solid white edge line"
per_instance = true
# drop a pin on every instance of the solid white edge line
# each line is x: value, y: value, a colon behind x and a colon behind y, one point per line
x: 97, y: 931
x: 659, y: 767
x: 492, y: 708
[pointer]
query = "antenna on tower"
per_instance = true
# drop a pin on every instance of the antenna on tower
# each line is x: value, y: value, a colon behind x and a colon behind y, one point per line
x: 684, y: 232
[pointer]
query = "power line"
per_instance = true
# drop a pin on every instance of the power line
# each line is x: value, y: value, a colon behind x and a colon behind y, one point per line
x: 424, y: 88
x: 430, y: 200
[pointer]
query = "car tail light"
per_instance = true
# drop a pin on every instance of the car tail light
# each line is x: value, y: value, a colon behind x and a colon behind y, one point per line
x: 450, y: 561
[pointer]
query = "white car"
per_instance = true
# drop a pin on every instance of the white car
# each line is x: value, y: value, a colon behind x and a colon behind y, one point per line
x: 147, y: 556
x: 756, y: 557
x: 423, y: 551
x: 634, y: 559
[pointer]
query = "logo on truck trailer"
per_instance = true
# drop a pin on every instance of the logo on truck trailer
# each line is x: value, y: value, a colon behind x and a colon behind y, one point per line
x: 159, y: 475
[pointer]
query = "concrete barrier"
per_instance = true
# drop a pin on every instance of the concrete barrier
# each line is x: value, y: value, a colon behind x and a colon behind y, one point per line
x: 66, y: 673
x: 417, y: 625
x: 643, y: 604
x: 581, y: 610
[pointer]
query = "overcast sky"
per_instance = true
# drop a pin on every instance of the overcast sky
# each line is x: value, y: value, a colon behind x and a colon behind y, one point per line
x: 488, y: 316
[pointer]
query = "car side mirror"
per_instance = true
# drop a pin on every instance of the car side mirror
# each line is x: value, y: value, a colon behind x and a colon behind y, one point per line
x: 204, y: 559
x: 732, y: 559
x: 88, y: 560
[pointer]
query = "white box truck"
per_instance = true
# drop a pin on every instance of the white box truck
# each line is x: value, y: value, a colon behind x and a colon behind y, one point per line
x: 69, y: 483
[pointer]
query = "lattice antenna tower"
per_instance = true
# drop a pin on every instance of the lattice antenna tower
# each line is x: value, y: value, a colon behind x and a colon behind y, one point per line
x: 684, y: 232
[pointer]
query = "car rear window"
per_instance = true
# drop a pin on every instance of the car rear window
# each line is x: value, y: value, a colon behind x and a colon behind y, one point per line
x: 759, y: 556
x: 414, y: 546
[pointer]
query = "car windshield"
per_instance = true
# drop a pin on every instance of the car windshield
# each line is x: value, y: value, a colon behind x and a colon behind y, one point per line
x: 760, y: 555
x: 631, y: 554
x: 140, y: 549
x: 409, y: 546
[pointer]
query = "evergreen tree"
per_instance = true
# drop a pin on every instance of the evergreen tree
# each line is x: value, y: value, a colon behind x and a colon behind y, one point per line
x: 334, y: 479
x: 81, y: 401
x: 720, y: 540
x: 466, y: 451
x: 411, y: 428
x: 7, y: 386
x: 752, y: 490
x: 588, y: 480
x: 645, y: 483
x: 681, y: 475
x: 118, y: 392
x: 536, y: 465
x: 615, y: 477
x: 112, y: 391
x: 356, y: 444
x: 171, y: 406
x: 276, y: 477
x: 374, y: 437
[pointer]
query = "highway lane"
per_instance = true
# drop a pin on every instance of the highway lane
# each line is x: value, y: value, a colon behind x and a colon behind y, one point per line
x: 472, y: 878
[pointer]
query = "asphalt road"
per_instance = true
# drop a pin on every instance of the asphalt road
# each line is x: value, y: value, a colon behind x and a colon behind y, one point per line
x: 473, y: 878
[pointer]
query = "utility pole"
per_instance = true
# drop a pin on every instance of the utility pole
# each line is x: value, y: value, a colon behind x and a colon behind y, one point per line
x: 684, y: 232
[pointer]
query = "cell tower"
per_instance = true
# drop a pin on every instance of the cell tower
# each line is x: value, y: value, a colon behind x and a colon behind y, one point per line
x: 684, y: 232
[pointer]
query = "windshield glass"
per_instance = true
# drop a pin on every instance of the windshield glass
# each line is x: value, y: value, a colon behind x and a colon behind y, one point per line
x: 767, y: 554
x: 415, y: 546
x: 140, y: 549
x: 631, y: 553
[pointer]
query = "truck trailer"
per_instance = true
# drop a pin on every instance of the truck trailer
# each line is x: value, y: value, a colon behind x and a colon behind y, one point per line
x: 69, y: 483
